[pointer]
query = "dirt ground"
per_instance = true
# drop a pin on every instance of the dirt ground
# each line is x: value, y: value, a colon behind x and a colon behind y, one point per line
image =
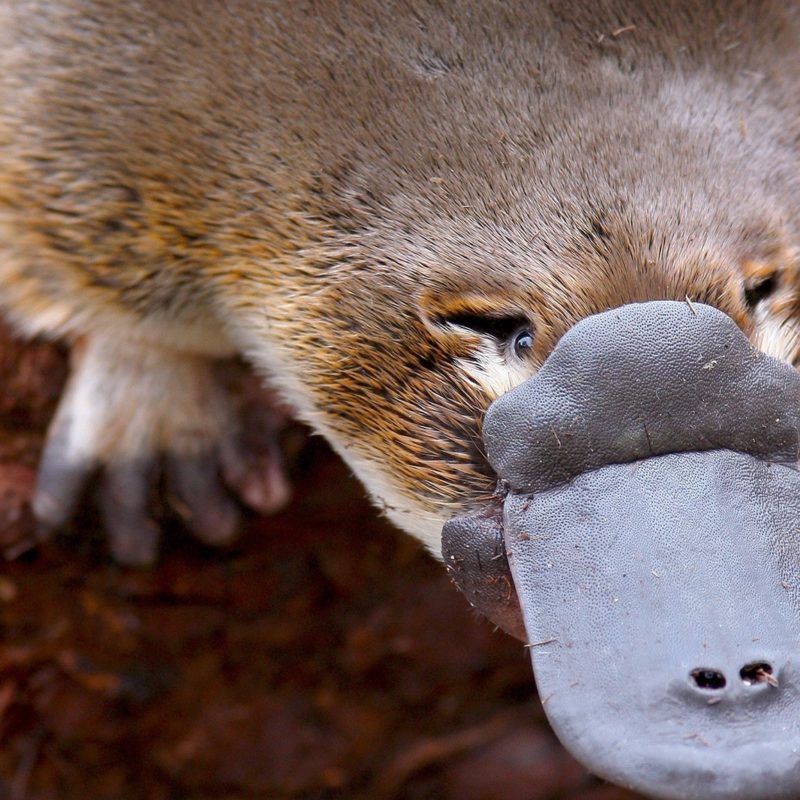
x: 323, y: 656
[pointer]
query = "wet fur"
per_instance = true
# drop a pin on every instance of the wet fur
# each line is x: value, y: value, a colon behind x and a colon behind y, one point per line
x: 322, y: 186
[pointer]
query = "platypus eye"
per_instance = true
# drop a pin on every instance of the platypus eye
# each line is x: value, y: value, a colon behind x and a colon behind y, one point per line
x: 760, y: 290
x: 523, y: 343
x: 512, y: 333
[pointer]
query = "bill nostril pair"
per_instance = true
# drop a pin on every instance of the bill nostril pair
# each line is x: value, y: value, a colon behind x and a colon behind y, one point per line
x: 751, y: 674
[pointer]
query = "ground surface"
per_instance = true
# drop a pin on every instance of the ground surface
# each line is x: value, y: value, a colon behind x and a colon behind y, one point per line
x: 324, y: 656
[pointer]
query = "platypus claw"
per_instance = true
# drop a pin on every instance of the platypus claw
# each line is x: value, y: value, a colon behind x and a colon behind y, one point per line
x: 129, y: 445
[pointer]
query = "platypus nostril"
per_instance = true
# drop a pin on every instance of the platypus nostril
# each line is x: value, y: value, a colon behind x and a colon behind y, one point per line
x: 758, y: 672
x: 705, y: 678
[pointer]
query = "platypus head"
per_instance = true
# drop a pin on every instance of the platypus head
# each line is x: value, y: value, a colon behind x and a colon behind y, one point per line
x: 475, y: 191
x: 489, y: 182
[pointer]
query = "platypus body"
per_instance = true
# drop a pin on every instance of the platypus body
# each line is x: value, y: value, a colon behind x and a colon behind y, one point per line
x: 393, y: 210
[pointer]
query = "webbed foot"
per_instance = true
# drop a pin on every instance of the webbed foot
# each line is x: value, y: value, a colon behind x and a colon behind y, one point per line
x: 136, y: 418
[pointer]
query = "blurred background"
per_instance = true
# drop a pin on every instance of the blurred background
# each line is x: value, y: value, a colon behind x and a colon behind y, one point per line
x: 325, y: 655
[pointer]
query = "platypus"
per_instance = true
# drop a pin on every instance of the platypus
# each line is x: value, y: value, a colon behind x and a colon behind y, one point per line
x: 392, y: 211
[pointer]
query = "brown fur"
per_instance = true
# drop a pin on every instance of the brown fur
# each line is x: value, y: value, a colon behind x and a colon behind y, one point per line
x: 322, y: 185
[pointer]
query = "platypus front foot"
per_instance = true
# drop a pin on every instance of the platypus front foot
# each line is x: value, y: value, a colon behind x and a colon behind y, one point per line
x: 136, y: 419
